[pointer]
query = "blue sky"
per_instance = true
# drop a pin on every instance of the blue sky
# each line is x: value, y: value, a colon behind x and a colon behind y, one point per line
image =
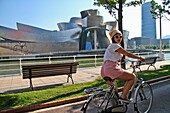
x: 47, y: 13
x: 42, y: 13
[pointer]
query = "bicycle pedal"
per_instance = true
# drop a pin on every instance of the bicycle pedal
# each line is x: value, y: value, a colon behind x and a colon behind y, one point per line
x: 119, y: 109
x: 131, y: 100
x: 116, y: 109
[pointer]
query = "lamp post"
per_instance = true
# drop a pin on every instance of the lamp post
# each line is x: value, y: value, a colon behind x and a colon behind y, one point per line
x: 161, y: 55
x: 161, y: 11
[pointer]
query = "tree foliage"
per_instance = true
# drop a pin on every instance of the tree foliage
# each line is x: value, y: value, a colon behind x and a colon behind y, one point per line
x: 113, y: 5
x: 159, y: 10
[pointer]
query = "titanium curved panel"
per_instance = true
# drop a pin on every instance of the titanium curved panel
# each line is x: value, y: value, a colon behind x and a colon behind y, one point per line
x: 92, y: 21
x: 84, y: 14
x: 66, y: 26
x: 52, y: 36
x: 111, y: 25
x: 76, y: 20
x: 17, y: 35
x: 32, y: 29
x: 89, y: 12
x: 93, y: 12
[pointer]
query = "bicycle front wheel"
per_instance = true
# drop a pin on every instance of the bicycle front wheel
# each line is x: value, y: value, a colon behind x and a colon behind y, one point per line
x: 144, y: 98
x: 97, y: 104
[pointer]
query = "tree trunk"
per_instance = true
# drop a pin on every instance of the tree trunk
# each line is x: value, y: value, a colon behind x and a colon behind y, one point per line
x: 120, y: 26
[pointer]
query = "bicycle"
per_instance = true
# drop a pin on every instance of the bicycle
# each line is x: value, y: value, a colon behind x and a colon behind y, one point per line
x: 106, y: 100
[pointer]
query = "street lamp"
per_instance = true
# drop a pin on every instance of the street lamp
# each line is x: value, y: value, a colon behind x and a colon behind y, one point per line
x: 161, y: 11
x: 161, y: 55
x: 158, y: 11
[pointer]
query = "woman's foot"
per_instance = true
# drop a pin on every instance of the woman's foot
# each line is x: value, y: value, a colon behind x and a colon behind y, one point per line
x: 125, y: 100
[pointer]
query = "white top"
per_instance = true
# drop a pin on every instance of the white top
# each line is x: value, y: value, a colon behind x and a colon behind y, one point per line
x: 110, y: 53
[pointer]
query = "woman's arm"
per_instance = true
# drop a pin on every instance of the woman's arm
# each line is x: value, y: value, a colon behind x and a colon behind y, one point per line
x: 126, y: 53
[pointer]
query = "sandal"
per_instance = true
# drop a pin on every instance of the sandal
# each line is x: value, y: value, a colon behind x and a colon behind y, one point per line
x: 125, y: 100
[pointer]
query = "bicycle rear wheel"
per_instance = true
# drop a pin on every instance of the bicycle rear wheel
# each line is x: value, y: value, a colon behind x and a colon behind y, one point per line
x: 144, y: 98
x: 97, y: 104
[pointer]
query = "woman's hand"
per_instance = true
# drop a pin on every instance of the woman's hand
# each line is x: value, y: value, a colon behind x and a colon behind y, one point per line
x: 119, y: 60
x: 141, y: 59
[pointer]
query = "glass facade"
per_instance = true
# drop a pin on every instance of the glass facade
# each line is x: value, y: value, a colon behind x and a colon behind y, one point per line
x: 148, y: 22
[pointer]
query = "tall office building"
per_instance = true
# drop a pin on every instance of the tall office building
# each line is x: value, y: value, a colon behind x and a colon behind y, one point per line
x: 148, y: 22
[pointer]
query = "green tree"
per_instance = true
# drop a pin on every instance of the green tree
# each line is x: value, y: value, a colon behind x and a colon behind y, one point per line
x: 160, y: 10
x: 114, y: 6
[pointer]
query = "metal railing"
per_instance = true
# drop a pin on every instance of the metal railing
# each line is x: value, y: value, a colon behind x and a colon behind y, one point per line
x: 13, y: 66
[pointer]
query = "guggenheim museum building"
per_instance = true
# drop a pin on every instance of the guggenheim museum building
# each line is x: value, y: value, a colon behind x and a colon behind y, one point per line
x: 87, y: 32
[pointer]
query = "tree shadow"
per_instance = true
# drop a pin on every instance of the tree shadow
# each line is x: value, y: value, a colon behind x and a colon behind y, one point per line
x: 35, y: 88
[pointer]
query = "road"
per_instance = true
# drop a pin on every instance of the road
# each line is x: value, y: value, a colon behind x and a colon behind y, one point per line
x: 161, y: 98
x: 160, y: 105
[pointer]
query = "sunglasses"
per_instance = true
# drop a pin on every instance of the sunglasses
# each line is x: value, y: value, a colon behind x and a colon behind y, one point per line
x: 118, y: 36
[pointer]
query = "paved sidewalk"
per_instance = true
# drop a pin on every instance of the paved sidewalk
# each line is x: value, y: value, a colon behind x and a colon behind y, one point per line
x: 16, y: 83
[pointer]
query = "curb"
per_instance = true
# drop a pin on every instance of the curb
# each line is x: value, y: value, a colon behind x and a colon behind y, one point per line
x: 44, y: 105
x: 158, y: 79
x: 66, y: 101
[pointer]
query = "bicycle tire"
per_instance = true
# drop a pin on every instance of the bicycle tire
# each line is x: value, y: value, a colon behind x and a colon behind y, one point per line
x: 143, y: 98
x: 97, y: 103
x: 101, y: 103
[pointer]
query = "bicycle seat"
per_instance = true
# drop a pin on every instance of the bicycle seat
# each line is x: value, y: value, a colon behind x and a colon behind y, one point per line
x: 108, y: 79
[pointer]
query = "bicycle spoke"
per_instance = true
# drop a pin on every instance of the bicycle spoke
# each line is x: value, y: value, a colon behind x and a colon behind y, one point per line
x: 144, y: 98
x: 96, y: 104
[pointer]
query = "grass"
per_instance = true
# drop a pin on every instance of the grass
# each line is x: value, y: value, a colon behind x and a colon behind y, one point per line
x: 46, y: 95
x: 64, y: 92
x: 155, y: 74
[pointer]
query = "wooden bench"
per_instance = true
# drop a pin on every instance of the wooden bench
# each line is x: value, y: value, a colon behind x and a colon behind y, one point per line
x: 148, y: 61
x: 35, y: 71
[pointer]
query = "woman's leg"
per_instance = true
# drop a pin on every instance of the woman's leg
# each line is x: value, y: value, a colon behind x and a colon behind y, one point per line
x: 130, y: 79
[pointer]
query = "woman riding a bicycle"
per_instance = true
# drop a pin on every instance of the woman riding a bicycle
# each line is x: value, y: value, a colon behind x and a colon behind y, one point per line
x: 111, y: 67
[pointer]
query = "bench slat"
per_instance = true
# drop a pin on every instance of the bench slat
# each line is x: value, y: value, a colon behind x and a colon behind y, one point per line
x: 34, y: 71
x: 49, y: 71
x: 50, y: 65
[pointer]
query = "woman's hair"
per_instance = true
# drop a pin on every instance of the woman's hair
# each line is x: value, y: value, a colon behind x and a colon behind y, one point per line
x: 113, y: 39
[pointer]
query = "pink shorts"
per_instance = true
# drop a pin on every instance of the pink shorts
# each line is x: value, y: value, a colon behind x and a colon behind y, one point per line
x: 111, y: 69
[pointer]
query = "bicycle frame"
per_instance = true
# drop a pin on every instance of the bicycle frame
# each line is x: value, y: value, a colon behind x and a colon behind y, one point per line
x: 108, y: 95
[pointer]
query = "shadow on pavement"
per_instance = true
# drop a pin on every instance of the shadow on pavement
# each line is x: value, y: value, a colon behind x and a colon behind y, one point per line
x: 35, y: 88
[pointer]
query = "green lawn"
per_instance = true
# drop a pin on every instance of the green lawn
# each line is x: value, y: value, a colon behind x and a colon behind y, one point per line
x: 64, y: 92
